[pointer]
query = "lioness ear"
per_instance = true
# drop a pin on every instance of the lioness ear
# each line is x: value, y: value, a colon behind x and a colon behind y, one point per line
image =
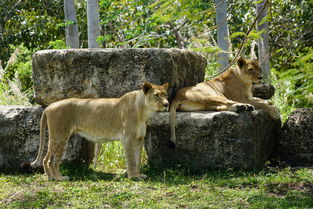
x: 241, y: 62
x: 146, y: 87
x: 165, y: 86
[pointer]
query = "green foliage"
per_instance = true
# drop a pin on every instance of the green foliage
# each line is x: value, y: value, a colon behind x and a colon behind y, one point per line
x: 291, y: 31
x: 291, y: 41
x: 58, y: 44
x: 211, y: 69
x: 150, y: 23
x: 20, y: 67
x: 16, y: 82
x: 10, y: 92
x: 294, y: 87
x: 33, y: 23
x: 111, y: 156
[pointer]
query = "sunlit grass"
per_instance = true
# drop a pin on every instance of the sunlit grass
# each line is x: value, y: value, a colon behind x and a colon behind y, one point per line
x: 108, y: 187
x: 165, y: 188
x: 111, y: 158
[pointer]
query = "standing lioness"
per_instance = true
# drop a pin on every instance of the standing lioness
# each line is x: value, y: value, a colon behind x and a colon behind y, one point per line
x: 100, y: 120
x: 231, y: 91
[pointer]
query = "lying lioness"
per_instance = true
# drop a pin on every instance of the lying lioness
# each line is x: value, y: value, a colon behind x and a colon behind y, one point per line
x: 100, y: 120
x: 231, y: 91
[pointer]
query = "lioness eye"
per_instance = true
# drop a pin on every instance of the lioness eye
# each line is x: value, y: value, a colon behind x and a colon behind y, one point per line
x: 157, y: 96
x: 251, y: 70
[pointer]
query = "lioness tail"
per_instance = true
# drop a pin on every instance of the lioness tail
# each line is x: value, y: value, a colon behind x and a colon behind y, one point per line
x: 173, y: 108
x: 43, y: 125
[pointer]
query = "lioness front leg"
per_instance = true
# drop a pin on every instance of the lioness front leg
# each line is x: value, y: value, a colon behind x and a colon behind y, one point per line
x: 98, y: 150
x: 215, y: 103
x: 138, y: 150
x: 264, y: 105
x: 132, y: 150
x: 265, y: 101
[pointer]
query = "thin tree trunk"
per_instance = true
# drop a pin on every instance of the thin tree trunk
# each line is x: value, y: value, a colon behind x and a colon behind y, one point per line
x: 93, y: 23
x: 263, y: 43
x: 222, y: 32
x: 71, y: 30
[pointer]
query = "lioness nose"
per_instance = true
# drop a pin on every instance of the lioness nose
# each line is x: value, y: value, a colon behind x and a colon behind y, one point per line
x: 165, y: 104
x: 260, y: 77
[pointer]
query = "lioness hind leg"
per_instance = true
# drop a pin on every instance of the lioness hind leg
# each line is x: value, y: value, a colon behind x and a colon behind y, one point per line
x: 58, y: 159
x: 47, y: 165
x: 53, y: 158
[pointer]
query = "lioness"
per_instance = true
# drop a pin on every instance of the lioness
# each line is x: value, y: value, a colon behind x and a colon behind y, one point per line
x: 231, y: 91
x: 100, y: 120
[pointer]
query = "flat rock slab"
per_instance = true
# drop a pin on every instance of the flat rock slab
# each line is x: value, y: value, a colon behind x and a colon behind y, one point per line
x: 295, y: 143
x: 19, y: 138
x: 94, y: 73
x: 207, y: 140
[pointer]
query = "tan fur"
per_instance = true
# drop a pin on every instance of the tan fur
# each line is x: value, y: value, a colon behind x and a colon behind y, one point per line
x: 231, y: 91
x: 100, y: 120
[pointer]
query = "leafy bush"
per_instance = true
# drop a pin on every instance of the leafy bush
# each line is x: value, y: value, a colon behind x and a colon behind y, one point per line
x: 294, y: 87
x: 57, y: 44
x: 16, y: 86
x: 20, y: 67
x: 10, y: 92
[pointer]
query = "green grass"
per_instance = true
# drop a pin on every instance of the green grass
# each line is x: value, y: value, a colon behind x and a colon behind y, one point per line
x: 108, y: 187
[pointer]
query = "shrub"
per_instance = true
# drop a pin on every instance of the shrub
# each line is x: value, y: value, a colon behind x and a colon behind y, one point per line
x: 16, y: 85
x: 294, y: 87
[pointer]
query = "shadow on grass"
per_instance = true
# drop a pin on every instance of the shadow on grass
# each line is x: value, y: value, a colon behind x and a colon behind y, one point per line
x: 74, y: 171
x: 86, y: 173
x: 182, y: 175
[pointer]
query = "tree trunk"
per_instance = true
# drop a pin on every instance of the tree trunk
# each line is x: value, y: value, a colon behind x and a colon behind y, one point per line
x: 93, y: 23
x: 263, y: 43
x: 222, y: 32
x: 71, y: 29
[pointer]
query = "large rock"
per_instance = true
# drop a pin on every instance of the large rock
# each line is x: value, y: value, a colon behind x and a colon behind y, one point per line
x: 212, y: 139
x: 19, y: 138
x: 295, y: 143
x: 94, y: 73
x: 263, y: 91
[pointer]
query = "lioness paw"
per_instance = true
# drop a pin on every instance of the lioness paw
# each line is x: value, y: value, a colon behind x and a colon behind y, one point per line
x: 269, y: 102
x: 244, y: 107
x: 250, y: 107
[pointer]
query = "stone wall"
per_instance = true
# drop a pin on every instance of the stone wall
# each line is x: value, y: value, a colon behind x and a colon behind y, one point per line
x: 19, y: 138
x: 212, y: 139
x: 295, y: 142
x: 93, y: 73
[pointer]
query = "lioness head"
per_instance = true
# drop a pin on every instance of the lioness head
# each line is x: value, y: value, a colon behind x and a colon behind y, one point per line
x: 250, y: 70
x: 156, y: 96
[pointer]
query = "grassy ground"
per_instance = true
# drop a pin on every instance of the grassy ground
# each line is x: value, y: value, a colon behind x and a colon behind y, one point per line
x: 165, y: 188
